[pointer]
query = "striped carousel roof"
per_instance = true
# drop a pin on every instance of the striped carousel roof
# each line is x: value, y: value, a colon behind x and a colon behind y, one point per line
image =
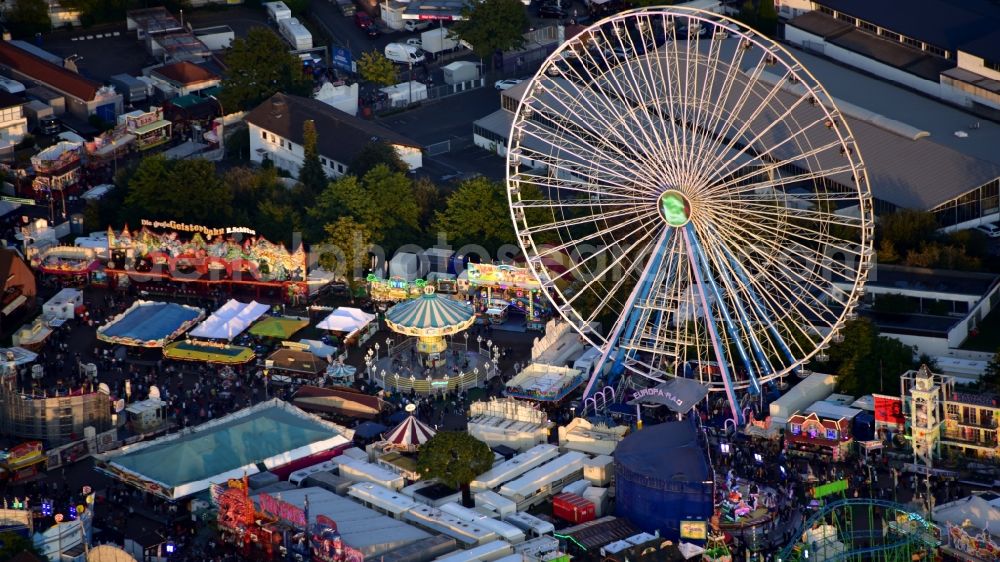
x: 430, y: 312
x: 410, y: 434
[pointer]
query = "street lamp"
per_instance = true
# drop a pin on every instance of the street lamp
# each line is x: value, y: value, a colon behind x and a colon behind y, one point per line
x: 479, y: 341
x: 222, y: 126
x: 376, y: 351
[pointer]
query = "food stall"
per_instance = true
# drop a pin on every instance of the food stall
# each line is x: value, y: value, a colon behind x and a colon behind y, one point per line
x: 22, y: 463
x: 149, y: 128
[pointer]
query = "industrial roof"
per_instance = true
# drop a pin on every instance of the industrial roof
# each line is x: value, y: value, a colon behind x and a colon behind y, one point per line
x: 47, y: 73
x: 974, y: 285
x: 950, y: 24
x: 341, y: 136
x: 360, y: 527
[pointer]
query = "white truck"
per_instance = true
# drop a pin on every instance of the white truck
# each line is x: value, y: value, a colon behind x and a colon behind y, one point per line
x: 437, y: 41
x: 277, y: 11
x: 295, y: 33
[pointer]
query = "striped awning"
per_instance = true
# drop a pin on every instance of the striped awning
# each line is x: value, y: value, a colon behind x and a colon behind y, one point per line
x: 410, y: 434
x: 435, y: 315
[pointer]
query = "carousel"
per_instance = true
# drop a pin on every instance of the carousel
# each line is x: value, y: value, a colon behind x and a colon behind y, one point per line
x: 431, y: 359
x: 398, y: 448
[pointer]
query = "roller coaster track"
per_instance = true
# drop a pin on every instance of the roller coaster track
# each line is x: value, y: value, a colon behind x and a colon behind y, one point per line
x: 921, y: 537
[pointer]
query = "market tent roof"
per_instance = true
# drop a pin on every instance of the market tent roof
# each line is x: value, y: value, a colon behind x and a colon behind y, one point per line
x: 296, y: 361
x: 971, y: 510
x: 430, y: 313
x: 369, y: 429
x: 185, y: 463
x: 230, y: 320
x: 346, y: 319
x: 278, y: 326
x: 337, y: 400
x: 410, y: 434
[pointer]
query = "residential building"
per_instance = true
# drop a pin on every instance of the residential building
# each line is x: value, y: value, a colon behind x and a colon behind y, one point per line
x: 933, y: 310
x: 942, y: 420
x: 13, y: 123
x: 182, y: 78
x: 276, y: 135
x: 83, y: 97
x: 948, y: 49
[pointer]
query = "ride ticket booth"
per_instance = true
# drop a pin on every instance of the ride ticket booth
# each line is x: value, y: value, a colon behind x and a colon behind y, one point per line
x: 23, y: 462
x: 149, y: 128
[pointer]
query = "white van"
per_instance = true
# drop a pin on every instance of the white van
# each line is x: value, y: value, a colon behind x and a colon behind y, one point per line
x: 404, y: 54
x: 11, y: 86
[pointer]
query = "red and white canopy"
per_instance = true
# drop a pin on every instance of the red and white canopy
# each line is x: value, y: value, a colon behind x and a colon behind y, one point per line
x: 410, y: 434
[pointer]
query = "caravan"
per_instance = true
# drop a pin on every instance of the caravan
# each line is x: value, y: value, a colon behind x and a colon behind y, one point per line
x: 547, y: 480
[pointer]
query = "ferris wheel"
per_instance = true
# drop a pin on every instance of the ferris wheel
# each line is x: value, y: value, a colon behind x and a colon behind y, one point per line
x: 710, y: 198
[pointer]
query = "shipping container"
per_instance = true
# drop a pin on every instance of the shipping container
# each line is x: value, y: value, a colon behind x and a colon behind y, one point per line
x: 573, y: 508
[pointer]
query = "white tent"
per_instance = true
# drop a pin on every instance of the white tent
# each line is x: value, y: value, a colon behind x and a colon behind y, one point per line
x: 347, y: 320
x: 230, y: 320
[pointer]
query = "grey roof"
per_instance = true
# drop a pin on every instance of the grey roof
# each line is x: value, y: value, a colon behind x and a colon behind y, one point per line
x: 341, y: 136
x: 893, y: 53
x: 960, y: 283
x: 950, y: 24
x: 895, y: 102
x: 37, y: 51
x: 360, y: 527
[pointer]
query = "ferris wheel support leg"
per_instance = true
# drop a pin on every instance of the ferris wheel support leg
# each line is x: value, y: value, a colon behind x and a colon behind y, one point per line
x: 758, y: 350
x: 727, y: 318
x: 712, y: 331
x: 758, y: 308
x: 630, y: 320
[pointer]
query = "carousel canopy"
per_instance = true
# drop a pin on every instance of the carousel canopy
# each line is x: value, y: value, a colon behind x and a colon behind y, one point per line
x: 410, y: 434
x: 430, y: 315
x: 346, y: 319
x: 230, y: 320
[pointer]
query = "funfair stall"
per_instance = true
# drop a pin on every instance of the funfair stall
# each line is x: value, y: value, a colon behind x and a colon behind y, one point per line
x: 71, y: 263
x: 504, y: 294
x: 231, y: 258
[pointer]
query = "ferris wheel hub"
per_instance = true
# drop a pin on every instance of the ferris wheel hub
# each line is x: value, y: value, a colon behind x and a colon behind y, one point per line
x: 675, y: 208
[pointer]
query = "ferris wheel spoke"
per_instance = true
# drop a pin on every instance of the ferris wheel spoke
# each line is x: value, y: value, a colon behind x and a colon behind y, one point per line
x: 738, y: 187
x: 549, y: 204
x: 576, y: 185
x: 799, y: 235
x: 749, y: 145
x: 628, y: 226
x: 763, y: 161
x: 601, y: 114
x: 602, y: 252
x: 719, y: 98
x: 552, y: 162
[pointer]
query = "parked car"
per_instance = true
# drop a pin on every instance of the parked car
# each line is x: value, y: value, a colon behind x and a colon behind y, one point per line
x: 990, y: 229
x: 363, y: 20
x: 501, y: 85
x: 402, y: 53
x: 415, y: 25
x: 415, y: 42
x: 551, y: 11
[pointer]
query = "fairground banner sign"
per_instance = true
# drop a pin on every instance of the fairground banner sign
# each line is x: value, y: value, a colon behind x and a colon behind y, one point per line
x: 207, y: 231
x: 680, y: 395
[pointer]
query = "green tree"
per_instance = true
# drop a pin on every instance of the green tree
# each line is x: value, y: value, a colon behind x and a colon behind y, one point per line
x: 748, y: 13
x: 990, y: 381
x: 492, y: 25
x: 866, y: 362
x: 12, y: 544
x: 767, y: 18
x: 259, y: 65
x: 345, y: 250
x: 375, y: 68
x: 382, y: 200
x: 455, y: 458
x: 311, y: 174
x: 375, y: 153
x: 428, y: 198
x: 29, y: 17
x: 97, y: 11
x: 907, y: 229
x: 476, y: 213
x: 183, y: 190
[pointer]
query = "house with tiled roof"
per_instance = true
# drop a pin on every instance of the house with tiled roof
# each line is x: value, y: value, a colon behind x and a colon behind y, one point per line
x: 276, y: 135
x: 84, y: 97
x: 816, y: 436
x: 182, y: 78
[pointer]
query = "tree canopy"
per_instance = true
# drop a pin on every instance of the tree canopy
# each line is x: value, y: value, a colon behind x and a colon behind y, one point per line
x: 455, y: 458
x: 345, y: 250
x: 476, y: 213
x: 375, y: 68
x: 259, y: 66
x: 187, y: 190
x: 28, y: 17
x: 375, y: 153
x: 492, y: 25
x: 866, y: 362
x: 382, y: 200
x: 311, y: 174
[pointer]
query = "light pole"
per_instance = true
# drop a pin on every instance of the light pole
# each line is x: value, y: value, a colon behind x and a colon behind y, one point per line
x: 222, y: 127
x: 410, y: 82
